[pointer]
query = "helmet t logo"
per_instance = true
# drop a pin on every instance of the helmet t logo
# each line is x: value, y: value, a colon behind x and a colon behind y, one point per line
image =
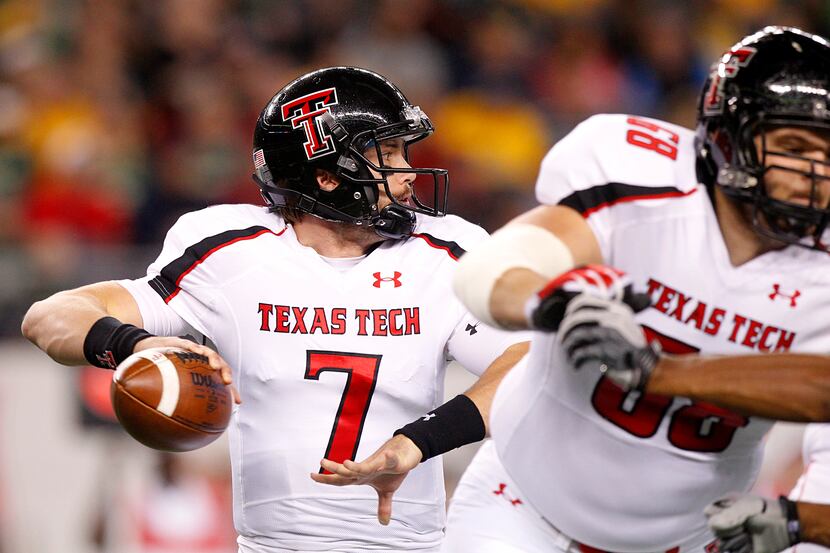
x: 728, y: 67
x: 305, y: 112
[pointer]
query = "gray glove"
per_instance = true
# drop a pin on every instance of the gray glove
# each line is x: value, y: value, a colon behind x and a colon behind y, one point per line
x: 602, y: 333
x: 751, y: 524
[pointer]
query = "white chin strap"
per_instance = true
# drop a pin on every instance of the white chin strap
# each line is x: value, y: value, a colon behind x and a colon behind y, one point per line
x: 517, y: 246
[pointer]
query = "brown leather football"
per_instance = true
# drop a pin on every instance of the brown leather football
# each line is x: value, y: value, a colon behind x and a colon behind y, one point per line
x: 170, y: 399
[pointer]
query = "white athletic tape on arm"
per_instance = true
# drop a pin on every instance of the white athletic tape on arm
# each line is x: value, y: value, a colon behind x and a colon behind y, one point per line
x: 516, y: 246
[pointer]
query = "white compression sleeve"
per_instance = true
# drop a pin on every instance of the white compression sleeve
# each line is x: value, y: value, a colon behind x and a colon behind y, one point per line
x: 515, y: 246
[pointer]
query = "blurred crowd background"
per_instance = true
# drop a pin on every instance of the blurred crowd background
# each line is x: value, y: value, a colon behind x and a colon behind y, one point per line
x: 116, y: 116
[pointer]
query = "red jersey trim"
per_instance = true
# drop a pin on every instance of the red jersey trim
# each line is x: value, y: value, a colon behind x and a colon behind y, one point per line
x: 678, y: 194
x: 452, y: 248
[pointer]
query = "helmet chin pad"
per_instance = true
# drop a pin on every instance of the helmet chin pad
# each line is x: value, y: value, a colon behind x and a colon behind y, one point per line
x: 394, y: 222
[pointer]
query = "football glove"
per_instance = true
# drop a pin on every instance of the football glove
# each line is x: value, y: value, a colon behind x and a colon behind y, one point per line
x: 546, y: 309
x: 751, y: 524
x: 602, y: 333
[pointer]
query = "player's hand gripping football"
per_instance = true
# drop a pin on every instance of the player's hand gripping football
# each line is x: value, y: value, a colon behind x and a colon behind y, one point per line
x: 384, y: 470
x: 596, y: 327
x: 750, y: 524
x: 214, y: 358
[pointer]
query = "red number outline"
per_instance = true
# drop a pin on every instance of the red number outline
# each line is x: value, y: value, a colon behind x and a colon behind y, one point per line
x: 645, y: 412
x: 641, y: 418
x: 361, y: 377
x: 652, y: 142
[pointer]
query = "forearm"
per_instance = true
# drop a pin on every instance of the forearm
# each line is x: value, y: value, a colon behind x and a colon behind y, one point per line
x: 791, y: 387
x: 484, y: 389
x: 59, y: 324
x: 815, y: 523
x: 510, y: 295
x: 495, y: 279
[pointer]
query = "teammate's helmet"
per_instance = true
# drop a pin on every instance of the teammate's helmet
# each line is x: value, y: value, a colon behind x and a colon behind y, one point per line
x: 327, y: 119
x: 779, y: 76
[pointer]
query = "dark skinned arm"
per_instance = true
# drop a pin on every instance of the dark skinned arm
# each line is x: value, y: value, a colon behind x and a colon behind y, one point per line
x: 782, y: 386
x: 815, y: 523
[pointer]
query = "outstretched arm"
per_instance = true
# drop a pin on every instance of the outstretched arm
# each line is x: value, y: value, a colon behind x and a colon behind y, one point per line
x: 61, y: 324
x: 603, y: 335
x: 781, y: 386
x: 496, y: 279
x: 386, y: 469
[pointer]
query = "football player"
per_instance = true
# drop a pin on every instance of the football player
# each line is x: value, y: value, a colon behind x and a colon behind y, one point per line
x: 748, y: 524
x: 725, y: 228
x: 330, y: 308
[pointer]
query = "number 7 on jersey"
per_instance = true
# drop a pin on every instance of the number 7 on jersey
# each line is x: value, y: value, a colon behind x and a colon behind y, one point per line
x: 361, y: 376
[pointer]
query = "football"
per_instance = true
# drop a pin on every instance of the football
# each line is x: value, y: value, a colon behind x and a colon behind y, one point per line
x: 170, y: 399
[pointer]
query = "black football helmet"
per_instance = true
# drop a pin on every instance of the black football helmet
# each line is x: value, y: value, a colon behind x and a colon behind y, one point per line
x: 327, y: 119
x: 779, y: 76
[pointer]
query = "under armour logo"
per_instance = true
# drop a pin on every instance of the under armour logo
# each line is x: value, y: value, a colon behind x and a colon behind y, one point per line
x: 513, y: 501
x: 379, y: 279
x: 429, y: 416
x: 305, y: 112
x: 776, y: 292
x: 107, y: 359
x: 471, y: 328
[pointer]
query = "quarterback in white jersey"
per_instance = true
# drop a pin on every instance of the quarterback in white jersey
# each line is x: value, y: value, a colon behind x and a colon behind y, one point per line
x: 329, y: 359
x: 724, y: 230
x: 333, y: 306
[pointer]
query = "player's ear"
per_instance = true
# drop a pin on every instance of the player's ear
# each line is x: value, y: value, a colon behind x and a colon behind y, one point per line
x: 326, y: 180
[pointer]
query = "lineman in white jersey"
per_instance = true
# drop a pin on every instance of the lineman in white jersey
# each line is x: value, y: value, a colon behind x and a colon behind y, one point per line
x: 333, y: 305
x: 724, y: 230
x: 749, y: 524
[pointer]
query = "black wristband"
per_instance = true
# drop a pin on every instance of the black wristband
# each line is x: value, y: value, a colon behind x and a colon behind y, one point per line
x: 458, y: 422
x: 790, y: 509
x: 110, y: 341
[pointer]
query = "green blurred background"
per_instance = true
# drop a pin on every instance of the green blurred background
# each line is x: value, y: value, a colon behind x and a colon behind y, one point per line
x: 116, y: 116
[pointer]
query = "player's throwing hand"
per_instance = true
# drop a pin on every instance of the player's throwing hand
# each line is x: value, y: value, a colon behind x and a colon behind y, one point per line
x: 216, y: 361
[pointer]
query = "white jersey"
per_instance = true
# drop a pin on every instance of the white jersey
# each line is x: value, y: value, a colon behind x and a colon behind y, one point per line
x: 329, y: 362
x: 617, y: 471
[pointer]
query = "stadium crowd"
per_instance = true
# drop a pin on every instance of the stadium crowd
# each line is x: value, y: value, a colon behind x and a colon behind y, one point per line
x: 116, y: 116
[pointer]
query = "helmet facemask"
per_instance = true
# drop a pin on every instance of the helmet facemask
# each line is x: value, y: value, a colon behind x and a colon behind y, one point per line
x: 748, y: 181
x: 777, y: 78
x: 429, y: 188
